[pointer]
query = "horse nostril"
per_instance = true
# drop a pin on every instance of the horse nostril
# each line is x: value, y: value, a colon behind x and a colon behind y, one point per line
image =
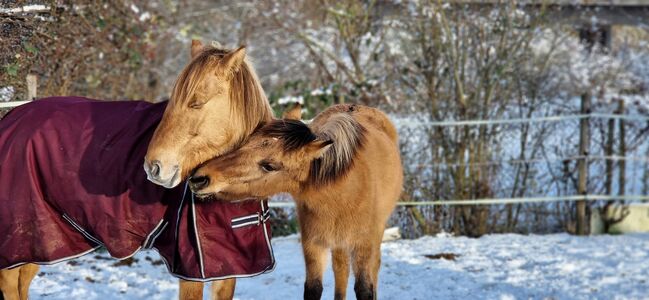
x: 155, y: 168
x: 198, y: 182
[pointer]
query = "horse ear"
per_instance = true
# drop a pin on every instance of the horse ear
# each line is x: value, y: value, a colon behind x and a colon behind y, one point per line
x: 197, y: 48
x: 231, y: 62
x: 318, y: 148
x: 294, y: 113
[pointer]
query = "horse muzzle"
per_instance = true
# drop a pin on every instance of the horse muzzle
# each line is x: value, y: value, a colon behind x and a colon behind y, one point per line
x: 157, y: 173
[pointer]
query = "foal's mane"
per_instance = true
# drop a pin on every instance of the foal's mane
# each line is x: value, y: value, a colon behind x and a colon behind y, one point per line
x: 345, y: 133
x: 248, y: 100
x: 293, y: 134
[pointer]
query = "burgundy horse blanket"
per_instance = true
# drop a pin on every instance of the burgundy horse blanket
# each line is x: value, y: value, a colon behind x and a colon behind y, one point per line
x: 72, y: 181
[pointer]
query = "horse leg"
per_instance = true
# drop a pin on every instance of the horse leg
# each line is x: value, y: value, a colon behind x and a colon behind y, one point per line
x: 27, y: 274
x: 315, y: 260
x: 376, y: 262
x: 340, y: 259
x: 9, y: 284
x: 223, y: 289
x: 190, y: 290
x: 376, y: 259
x: 363, y: 264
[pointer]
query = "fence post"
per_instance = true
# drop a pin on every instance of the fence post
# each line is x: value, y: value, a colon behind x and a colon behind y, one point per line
x: 622, y: 174
x: 584, y: 143
x: 32, y: 85
x: 590, y: 35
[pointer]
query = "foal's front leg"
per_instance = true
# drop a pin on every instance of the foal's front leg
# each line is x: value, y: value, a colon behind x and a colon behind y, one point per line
x: 315, y: 261
x: 340, y: 259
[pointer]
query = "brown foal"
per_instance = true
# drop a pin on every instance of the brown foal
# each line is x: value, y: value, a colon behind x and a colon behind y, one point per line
x: 345, y: 175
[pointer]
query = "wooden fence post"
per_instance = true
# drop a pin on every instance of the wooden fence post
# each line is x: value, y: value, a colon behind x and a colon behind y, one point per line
x: 622, y: 174
x: 584, y: 144
x: 590, y: 36
x: 32, y: 86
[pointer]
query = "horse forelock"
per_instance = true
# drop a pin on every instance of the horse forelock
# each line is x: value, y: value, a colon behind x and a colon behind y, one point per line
x: 249, y: 105
x: 348, y: 137
x: 248, y: 100
x: 188, y: 80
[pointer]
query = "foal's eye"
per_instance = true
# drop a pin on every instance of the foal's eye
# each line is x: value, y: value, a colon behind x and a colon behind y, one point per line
x: 267, y: 166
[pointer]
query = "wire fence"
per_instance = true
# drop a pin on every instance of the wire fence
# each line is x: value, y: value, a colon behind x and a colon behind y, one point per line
x: 563, y: 159
x: 560, y: 118
x: 493, y: 201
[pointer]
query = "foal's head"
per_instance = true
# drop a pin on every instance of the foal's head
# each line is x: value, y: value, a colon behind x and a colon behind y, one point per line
x: 275, y: 159
x: 282, y: 156
x: 216, y: 103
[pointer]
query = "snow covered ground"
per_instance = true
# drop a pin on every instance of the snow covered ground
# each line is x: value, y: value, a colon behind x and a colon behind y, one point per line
x: 506, y: 266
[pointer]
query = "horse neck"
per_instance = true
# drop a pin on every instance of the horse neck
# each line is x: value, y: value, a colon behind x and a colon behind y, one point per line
x: 337, y: 196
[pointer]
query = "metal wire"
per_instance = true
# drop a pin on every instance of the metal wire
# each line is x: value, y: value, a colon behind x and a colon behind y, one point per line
x: 542, y: 160
x: 451, y: 123
x: 503, y: 200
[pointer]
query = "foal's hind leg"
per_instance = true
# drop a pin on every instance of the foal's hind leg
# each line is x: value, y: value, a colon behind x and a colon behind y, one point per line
x: 365, y: 271
x: 9, y: 284
x: 27, y: 274
x: 340, y: 259
x: 315, y: 260
x: 223, y: 289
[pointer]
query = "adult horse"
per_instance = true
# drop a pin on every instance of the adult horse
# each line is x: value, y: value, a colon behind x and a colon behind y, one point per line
x: 216, y: 103
x: 344, y: 173
x: 83, y: 188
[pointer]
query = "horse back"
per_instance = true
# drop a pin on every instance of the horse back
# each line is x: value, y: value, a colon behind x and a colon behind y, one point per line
x: 365, y: 115
x: 376, y: 176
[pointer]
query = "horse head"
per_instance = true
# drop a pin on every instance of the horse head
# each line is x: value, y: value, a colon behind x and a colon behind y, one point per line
x: 217, y: 101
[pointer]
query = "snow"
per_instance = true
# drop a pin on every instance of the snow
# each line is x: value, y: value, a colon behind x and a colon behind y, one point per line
x: 615, y: 75
x: 7, y: 93
x: 290, y: 99
x: 25, y: 9
x: 507, y: 266
x: 320, y: 92
x: 145, y: 16
x: 135, y: 9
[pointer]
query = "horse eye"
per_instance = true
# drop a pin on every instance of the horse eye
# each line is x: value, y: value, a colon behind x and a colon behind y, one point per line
x: 196, y: 105
x: 267, y: 167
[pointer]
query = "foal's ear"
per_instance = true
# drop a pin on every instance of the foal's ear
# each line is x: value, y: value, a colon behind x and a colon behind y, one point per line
x: 197, y: 48
x: 231, y: 62
x: 294, y: 113
x: 318, y: 148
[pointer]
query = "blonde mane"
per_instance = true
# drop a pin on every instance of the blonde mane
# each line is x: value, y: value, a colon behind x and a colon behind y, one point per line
x: 249, y: 104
